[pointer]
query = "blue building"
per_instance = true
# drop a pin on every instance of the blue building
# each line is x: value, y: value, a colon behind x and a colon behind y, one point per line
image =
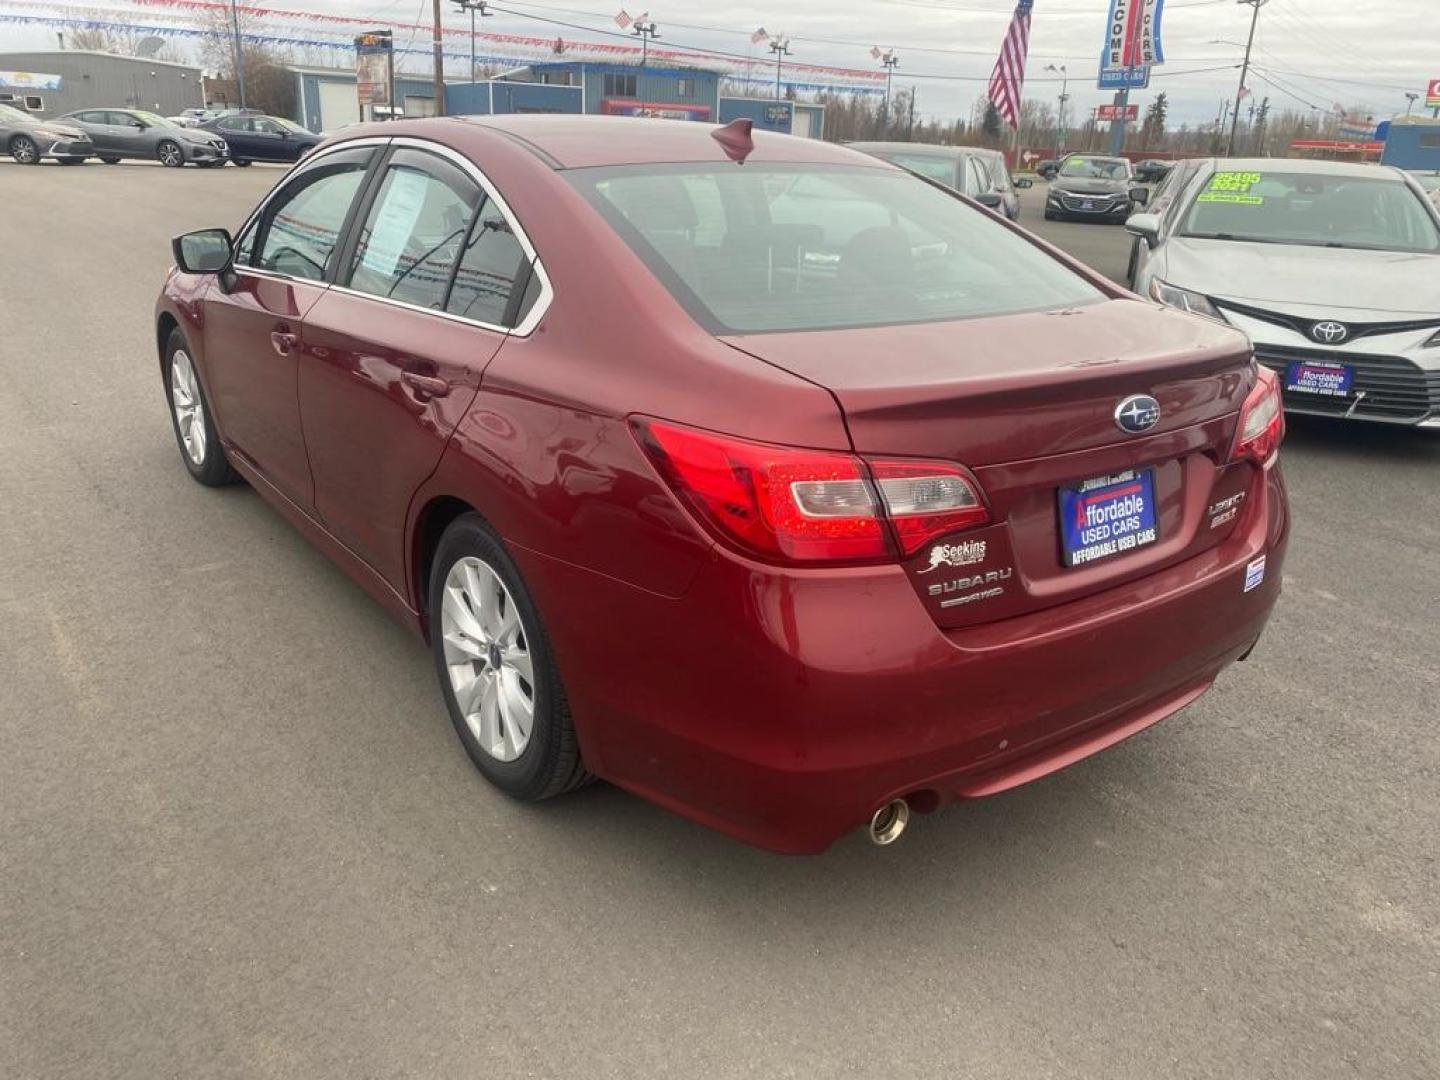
x: 1413, y: 142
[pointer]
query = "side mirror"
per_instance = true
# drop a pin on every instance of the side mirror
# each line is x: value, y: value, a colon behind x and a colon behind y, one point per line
x: 1145, y: 226
x: 990, y: 198
x: 1140, y: 196
x: 1022, y: 182
x: 139, y: 125
x: 208, y: 251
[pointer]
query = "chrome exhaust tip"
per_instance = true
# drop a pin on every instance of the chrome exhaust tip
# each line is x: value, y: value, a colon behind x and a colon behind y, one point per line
x: 889, y: 822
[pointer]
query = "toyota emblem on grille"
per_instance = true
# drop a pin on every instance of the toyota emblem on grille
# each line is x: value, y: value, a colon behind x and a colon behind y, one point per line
x: 1137, y: 413
x: 1329, y: 333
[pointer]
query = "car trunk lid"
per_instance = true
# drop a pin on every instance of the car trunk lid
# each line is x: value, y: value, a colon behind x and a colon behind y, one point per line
x: 1028, y: 403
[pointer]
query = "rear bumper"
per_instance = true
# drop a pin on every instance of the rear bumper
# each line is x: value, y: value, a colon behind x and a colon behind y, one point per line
x: 783, y: 708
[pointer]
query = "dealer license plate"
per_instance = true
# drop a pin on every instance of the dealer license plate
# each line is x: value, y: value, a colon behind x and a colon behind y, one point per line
x: 1108, y: 515
x: 1322, y: 380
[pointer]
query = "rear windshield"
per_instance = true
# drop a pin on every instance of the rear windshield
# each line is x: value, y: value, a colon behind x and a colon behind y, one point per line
x: 774, y: 248
x: 1312, y: 209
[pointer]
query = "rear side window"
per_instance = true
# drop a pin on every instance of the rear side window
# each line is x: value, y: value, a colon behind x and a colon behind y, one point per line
x: 931, y: 165
x: 780, y: 248
x: 492, y: 262
x: 300, y: 228
x: 414, y: 231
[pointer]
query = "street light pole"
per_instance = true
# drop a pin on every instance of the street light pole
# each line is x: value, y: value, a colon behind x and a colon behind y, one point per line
x: 645, y: 31
x: 1411, y: 97
x: 891, y: 61
x: 437, y: 47
x: 1060, y: 116
x: 1244, y: 71
x: 780, y: 46
x: 473, y: 6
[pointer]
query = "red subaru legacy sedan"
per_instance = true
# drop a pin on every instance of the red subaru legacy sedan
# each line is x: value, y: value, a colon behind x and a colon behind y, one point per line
x: 750, y: 473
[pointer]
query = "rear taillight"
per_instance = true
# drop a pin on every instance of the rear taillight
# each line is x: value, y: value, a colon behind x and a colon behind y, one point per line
x: 1262, y: 420
x: 812, y: 506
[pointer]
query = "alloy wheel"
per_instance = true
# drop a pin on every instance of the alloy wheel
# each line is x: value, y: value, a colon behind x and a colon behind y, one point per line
x: 189, y: 409
x: 24, y: 151
x: 487, y: 657
x: 170, y: 155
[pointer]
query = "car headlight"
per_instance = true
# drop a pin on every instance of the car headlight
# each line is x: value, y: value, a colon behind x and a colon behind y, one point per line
x: 1183, y: 299
x: 46, y: 133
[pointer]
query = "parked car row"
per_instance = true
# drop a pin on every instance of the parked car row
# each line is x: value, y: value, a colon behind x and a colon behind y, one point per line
x: 971, y: 170
x: 113, y: 135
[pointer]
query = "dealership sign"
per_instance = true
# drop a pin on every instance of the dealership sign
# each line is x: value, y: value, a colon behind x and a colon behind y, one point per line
x: 1117, y: 112
x: 1132, y: 44
x: 29, y: 80
x: 1432, y: 95
x: 374, y: 55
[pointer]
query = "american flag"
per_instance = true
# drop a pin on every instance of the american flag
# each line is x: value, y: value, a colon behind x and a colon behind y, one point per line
x: 623, y: 20
x: 1008, y: 78
x: 758, y: 36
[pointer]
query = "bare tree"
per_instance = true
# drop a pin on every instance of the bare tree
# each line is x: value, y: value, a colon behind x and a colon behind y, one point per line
x: 269, y: 85
x: 122, y: 41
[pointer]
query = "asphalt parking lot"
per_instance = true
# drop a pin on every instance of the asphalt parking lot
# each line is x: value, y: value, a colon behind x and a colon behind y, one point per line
x: 238, y: 837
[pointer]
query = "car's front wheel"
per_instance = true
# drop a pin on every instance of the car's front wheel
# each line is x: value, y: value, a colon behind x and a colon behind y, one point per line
x: 169, y: 154
x: 496, y: 669
x: 110, y: 160
x: 24, y: 150
x: 238, y: 161
x: 200, y: 447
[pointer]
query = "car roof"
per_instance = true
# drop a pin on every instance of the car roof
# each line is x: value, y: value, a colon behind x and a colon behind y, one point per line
x: 1316, y: 166
x: 933, y: 149
x: 569, y: 141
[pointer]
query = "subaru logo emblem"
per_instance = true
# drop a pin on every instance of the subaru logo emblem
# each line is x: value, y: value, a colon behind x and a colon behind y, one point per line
x: 1137, y: 413
x: 1329, y: 333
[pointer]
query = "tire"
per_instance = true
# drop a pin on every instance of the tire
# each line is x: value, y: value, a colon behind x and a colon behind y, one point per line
x: 71, y: 160
x: 486, y: 634
x: 1049, y: 216
x: 110, y: 160
x: 1134, y: 262
x: 24, y: 150
x: 237, y: 161
x: 206, y: 459
x: 169, y: 154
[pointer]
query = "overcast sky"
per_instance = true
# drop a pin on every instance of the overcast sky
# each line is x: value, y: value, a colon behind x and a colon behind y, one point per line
x: 1308, y: 52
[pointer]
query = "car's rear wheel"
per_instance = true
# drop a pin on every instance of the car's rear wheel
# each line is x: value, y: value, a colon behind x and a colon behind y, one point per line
x: 24, y: 150
x: 110, y: 160
x: 169, y: 154
x: 200, y: 447
x: 497, y: 673
x: 237, y: 161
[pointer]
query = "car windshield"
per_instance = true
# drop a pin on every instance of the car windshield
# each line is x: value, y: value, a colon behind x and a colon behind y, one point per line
x: 288, y: 125
x: 778, y: 248
x: 11, y: 114
x: 1096, y: 168
x: 931, y: 165
x: 1314, y: 209
x: 153, y: 120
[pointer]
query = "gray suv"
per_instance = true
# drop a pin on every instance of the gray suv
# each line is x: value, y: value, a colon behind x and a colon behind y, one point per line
x: 134, y: 133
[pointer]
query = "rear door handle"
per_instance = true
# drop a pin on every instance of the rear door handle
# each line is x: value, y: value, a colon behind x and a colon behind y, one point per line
x: 283, y: 341
x: 425, y: 386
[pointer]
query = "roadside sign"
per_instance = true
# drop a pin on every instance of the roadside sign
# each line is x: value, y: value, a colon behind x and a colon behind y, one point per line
x: 1117, y: 112
x: 1432, y: 95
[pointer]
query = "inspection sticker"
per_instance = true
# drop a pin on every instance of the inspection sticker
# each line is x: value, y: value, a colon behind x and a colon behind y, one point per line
x: 1255, y: 574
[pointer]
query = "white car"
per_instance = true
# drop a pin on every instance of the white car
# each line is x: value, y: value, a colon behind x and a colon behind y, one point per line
x: 1333, y: 270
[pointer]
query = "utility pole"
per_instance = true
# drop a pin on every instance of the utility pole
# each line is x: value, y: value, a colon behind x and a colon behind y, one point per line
x: 1060, y: 116
x: 472, y: 6
x: 239, y: 53
x: 780, y: 46
x: 1244, y: 71
x: 645, y: 31
x: 1411, y: 97
x: 1117, y: 127
x: 438, y: 47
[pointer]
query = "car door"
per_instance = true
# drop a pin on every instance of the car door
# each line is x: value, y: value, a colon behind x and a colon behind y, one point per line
x: 127, y: 135
x: 252, y: 326
x: 92, y: 123
x: 268, y: 141
x: 235, y: 130
x: 394, y: 353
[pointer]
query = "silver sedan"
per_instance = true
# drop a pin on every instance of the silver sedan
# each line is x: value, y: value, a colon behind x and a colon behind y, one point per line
x: 28, y: 139
x: 1333, y: 270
